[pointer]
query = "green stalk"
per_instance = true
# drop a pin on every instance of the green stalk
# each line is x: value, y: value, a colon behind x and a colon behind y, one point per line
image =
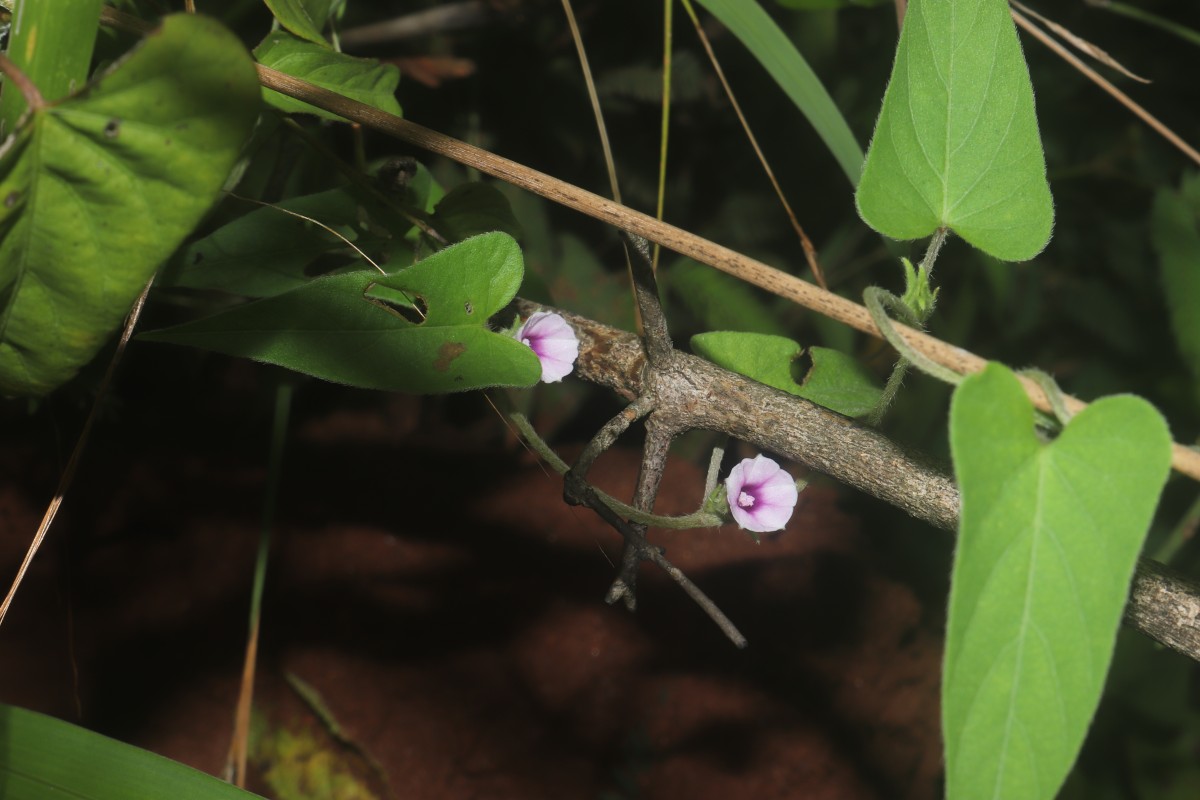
x: 668, y: 24
x: 279, y: 428
x: 1154, y: 20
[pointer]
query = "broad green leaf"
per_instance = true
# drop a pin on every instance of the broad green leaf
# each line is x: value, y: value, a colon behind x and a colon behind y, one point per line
x: 296, y: 16
x: 767, y: 43
x: 269, y: 250
x: 718, y: 301
x: 362, y: 79
x: 470, y: 209
x: 355, y: 328
x: 51, y: 43
x: 100, y: 188
x: 834, y: 380
x: 1048, y: 537
x: 957, y: 144
x: 1175, y: 230
x: 42, y: 758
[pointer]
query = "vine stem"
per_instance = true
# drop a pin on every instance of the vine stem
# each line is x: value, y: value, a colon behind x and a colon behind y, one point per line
x: 1184, y: 459
x: 697, y: 519
x: 33, y: 98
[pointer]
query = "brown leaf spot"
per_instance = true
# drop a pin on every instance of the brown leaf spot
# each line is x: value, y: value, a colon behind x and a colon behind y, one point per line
x: 447, y: 353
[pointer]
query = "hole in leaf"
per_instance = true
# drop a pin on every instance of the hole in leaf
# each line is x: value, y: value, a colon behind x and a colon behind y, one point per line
x: 412, y: 308
x: 801, y: 367
x: 113, y: 128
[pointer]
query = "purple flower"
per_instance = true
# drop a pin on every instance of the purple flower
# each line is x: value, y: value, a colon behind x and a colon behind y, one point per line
x: 761, y: 495
x: 555, y: 343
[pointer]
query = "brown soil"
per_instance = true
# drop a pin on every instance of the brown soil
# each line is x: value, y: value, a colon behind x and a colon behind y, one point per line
x: 447, y: 607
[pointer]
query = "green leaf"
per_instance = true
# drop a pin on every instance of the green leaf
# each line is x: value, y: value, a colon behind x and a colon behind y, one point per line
x: 1048, y: 537
x: 957, y: 144
x: 44, y: 758
x: 718, y: 301
x: 767, y: 43
x: 470, y: 209
x: 51, y: 43
x: 834, y: 381
x: 100, y: 188
x: 296, y: 17
x: 355, y: 328
x: 1175, y: 231
x: 362, y: 79
x: 269, y: 251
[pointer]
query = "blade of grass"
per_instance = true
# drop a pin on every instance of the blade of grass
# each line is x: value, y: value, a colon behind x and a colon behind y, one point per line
x: 767, y: 43
x: 595, y: 100
x: 1096, y: 78
x: 68, y: 475
x: 668, y: 29
x: 810, y: 252
x: 1079, y: 43
x: 1141, y: 15
x: 240, y: 744
x: 43, y: 757
x: 51, y: 43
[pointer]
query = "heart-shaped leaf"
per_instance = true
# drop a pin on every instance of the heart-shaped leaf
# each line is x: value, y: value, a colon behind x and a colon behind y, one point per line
x: 834, y: 380
x: 362, y: 79
x: 100, y: 188
x: 957, y: 144
x: 1047, y: 541
x: 365, y: 329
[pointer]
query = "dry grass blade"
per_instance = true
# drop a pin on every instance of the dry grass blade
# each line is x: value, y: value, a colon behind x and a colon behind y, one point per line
x: 1079, y: 43
x: 848, y: 312
x: 1107, y: 86
x: 810, y: 252
x: 68, y: 475
x: 595, y: 100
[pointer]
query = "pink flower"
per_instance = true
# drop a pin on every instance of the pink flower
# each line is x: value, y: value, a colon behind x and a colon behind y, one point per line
x: 554, y: 341
x: 761, y: 495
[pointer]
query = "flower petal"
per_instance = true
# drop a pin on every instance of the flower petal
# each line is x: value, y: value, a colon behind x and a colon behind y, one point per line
x: 762, y: 496
x: 554, y: 342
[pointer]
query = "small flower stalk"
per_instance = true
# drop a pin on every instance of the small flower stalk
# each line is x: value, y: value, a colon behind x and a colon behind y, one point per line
x: 554, y: 342
x: 761, y: 495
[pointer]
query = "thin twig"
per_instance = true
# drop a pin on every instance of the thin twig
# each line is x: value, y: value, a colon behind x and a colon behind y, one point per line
x: 64, y: 482
x: 810, y: 252
x: 1079, y: 43
x: 1184, y: 459
x: 1103, y: 83
x: 665, y: 116
x: 1162, y: 604
x: 594, y: 99
x: 33, y: 97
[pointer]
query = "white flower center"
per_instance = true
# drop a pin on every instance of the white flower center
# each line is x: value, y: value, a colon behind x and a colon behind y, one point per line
x: 745, y: 499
